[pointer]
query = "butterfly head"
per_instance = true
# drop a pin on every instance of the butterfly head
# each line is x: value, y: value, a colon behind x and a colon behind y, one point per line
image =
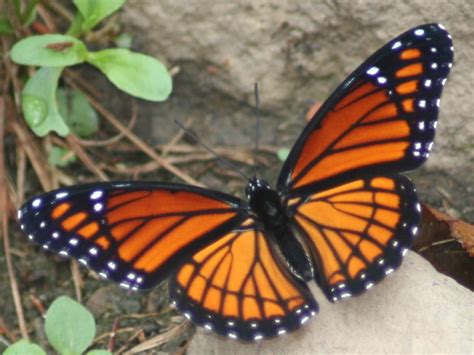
x: 256, y: 185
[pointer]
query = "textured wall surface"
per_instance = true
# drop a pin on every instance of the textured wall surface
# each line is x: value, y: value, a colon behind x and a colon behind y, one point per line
x: 300, y: 51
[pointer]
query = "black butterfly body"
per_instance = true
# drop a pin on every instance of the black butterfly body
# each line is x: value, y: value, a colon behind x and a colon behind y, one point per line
x: 237, y: 267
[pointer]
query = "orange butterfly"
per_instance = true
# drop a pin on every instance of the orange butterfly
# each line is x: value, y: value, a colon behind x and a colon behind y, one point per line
x: 238, y: 267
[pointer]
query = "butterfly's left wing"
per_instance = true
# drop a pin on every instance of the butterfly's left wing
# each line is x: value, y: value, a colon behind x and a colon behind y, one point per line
x: 239, y: 288
x: 133, y: 233
x: 380, y: 120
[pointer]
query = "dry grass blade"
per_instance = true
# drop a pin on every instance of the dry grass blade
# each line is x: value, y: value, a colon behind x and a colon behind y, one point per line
x: 85, y: 158
x: 20, y: 174
x: 4, y: 216
x: 160, y: 339
x: 26, y: 141
x: 77, y: 279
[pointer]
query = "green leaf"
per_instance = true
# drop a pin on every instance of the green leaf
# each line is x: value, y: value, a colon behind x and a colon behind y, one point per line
x: 75, y: 28
x: 69, y: 326
x: 23, y: 347
x: 124, y: 40
x: 49, y: 51
x: 94, y: 11
x: 283, y: 153
x: 29, y: 14
x: 38, y: 101
x: 5, y: 26
x: 59, y: 156
x: 78, y: 114
x: 98, y: 352
x: 137, y: 74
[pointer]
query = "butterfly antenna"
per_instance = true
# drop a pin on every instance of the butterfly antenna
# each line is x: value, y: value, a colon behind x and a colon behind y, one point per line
x: 226, y: 162
x: 257, y: 129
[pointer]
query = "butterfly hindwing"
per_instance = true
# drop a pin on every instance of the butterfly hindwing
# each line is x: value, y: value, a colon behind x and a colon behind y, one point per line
x: 358, y: 232
x: 380, y: 120
x: 239, y: 288
x: 132, y: 233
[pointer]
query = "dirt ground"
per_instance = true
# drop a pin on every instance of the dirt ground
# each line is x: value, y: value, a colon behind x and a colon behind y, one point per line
x: 224, y: 120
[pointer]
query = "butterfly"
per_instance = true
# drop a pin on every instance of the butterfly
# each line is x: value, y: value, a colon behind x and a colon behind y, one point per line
x: 341, y: 213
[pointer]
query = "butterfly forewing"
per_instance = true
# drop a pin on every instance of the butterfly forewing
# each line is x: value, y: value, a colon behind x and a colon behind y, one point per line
x: 239, y: 288
x: 133, y: 233
x: 381, y: 119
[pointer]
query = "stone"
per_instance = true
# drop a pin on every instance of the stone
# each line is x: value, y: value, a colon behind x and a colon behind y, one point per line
x: 300, y: 51
x: 414, y: 310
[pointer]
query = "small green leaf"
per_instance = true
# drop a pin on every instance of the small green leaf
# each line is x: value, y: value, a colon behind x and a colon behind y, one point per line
x: 59, y: 156
x: 49, y: 51
x: 75, y: 28
x: 124, y: 40
x: 98, y: 352
x: 137, y: 74
x: 94, y: 11
x: 78, y: 114
x: 283, y: 153
x: 5, y: 26
x: 23, y: 347
x: 69, y: 326
x: 38, y: 101
x: 29, y: 14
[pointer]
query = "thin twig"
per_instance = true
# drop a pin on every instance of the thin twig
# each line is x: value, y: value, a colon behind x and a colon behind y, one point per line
x: 77, y: 279
x: 37, y: 160
x: 113, y: 335
x: 68, y: 73
x: 4, y: 214
x: 59, y: 9
x: 116, y: 138
x: 20, y: 174
x: 85, y: 158
x: 161, y: 338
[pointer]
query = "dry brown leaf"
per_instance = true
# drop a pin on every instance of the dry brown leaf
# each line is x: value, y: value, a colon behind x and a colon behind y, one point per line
x: 312, y: 110
x: 462, y: 231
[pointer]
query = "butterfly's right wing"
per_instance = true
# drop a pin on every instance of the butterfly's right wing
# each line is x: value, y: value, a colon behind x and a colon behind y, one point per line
x: 239, y: 288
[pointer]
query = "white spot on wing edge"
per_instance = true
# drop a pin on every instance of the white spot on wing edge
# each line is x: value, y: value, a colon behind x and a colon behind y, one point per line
x: 419, y: 32
x: 96, y: 194
x: 61, y: 195
x: 396, y: 45
x: 373, y: 71
x: 36, y: 203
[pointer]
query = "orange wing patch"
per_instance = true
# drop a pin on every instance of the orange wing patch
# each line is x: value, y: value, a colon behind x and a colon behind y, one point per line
x: 363, y: 129
x: 239, y: 280
x: 357, y: 231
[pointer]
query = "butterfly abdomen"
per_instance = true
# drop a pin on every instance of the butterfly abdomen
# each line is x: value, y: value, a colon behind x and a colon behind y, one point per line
x: 268, y: 207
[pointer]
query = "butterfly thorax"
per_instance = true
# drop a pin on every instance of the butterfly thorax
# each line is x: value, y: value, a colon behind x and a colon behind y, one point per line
x: 270, y: 211
x: 265, y: 203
